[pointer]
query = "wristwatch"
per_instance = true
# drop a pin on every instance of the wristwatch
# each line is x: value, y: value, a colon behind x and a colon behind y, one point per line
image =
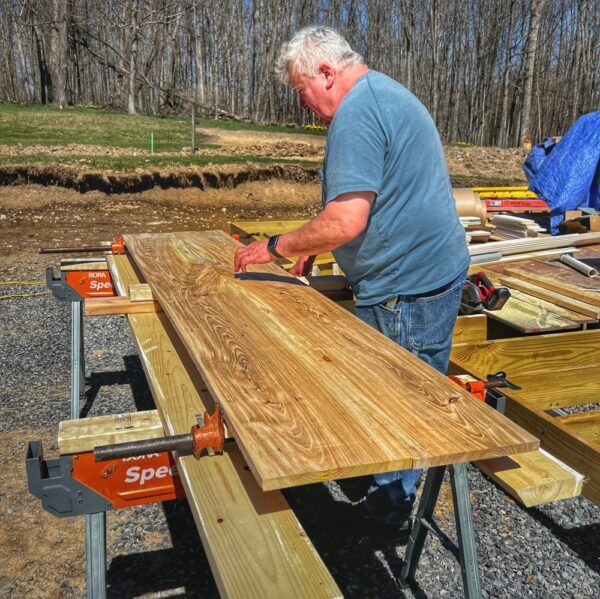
x: 272, y: 246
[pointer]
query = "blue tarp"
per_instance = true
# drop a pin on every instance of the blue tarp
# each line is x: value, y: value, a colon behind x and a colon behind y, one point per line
x: 567, y: 174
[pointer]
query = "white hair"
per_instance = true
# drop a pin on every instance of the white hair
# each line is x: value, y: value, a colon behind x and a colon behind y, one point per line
x: 310, y: 48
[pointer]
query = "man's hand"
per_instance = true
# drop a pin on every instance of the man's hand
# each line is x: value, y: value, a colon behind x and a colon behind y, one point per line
x: 253, y: 253
x: 303, y: 266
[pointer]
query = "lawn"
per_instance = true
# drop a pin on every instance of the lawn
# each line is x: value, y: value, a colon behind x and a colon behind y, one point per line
x: 50, y: 126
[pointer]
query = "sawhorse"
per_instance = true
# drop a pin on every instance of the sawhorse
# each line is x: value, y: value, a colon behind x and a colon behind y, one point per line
x: 95, y: 524
x: 464, y: 528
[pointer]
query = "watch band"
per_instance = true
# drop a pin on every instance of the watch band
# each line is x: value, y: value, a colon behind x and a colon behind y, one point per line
x: 272, y: 246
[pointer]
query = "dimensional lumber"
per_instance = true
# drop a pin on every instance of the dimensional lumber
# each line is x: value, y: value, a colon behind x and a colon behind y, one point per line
x: 586, y: 424
x: 76, y: 436
x: 309, y: 392
x: 470, y: 328
x: 534, y: 477
x: 105, y: 306
x: 553, y: 371
x: 520, y: 246
x: 254, y: 543
x: 560, y: 286
x: 551, y: 296
x: 140, y: 293
x: 530, y: 314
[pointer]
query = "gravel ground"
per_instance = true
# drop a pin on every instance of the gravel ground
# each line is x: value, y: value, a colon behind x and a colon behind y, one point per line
x: 154, y: 551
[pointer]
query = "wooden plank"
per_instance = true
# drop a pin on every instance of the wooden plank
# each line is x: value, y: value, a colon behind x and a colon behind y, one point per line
x: 84, y: 265
x: 140, y: 293
x: 541, y: 313
x: 305, y: 404
x: 556, y: 438
x: 104, y: 306
x: 534, y: 477
x: 586, y: 424
x: 254, y: 543
x: 520, y: 246
x: 470, y: 328
x: 533, y: 356
x: 529, y: 314
x: 559, y: 285
x: 76, y: 436
x: 561, y: 272
x: 551, y: 296
x: 560, y: 389
x: 550, y: 369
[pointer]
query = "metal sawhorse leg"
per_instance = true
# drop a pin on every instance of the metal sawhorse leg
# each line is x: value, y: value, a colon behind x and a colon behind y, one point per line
x: 95, y: 524
x: 464, y: 528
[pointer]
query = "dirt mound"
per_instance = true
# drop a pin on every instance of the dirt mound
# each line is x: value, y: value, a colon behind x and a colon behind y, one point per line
x: 504, y: 165
x: 215, y: 177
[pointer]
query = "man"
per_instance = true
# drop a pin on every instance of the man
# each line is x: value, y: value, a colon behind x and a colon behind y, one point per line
x: 388, y: 216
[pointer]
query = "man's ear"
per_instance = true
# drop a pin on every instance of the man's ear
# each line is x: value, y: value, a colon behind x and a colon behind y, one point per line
x: 329, y: 73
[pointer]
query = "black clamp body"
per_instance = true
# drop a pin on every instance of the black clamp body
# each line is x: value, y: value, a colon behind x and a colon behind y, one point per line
x: 59, y: 287
x: 51, y: 482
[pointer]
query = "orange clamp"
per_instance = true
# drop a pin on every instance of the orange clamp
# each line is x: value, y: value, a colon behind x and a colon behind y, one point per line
x: 477, y: 388
x: 118, y: 245
x: 209, y: 433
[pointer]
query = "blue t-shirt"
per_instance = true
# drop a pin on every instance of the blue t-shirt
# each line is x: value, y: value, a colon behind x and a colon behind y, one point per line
x: 383, y: 140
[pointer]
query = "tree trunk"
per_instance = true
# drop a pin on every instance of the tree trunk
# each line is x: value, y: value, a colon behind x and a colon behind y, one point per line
x: 537, y: 6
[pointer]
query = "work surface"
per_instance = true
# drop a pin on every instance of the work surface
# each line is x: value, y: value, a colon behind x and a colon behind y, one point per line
x: 309, y: 392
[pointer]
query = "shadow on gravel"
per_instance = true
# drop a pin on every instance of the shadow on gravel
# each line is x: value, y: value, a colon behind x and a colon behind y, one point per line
x: 133, y: 375
x: 354, y: 562
x: 180, y: 571
x: 583, y: 540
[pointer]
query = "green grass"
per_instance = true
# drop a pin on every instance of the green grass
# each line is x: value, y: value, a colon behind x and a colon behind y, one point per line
x: 49, y: 126
x: 130, y: 163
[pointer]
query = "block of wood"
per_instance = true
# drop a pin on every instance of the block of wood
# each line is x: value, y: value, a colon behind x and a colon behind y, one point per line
x: 309, y: 392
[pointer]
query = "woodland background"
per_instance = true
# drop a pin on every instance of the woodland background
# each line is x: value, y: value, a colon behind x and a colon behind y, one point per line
x: 489, y: 71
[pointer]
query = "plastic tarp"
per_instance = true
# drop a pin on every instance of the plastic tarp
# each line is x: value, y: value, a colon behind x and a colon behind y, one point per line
x: 567, y: 174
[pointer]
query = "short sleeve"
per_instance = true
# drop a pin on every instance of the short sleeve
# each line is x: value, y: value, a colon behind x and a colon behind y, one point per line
x: 356, y: 146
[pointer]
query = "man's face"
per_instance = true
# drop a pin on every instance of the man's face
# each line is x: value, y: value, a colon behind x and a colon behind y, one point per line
x: 315, y: 93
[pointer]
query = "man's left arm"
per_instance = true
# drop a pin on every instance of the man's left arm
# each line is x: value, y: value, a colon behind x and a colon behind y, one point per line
x: 341, y: 221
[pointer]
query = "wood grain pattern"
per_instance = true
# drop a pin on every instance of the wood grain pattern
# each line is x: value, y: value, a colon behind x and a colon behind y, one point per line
x: 140, y: 293
x: 470, y: 328
x: 554, y: 371
x: 105, y: 306
x: 530, y: 314
x: 75, y: 436
x: 534, y: 477
x: 310, y: 392
x: 559, y: 283
x: 551, y: 296
x: 255, y: 545
x: 586, y: 424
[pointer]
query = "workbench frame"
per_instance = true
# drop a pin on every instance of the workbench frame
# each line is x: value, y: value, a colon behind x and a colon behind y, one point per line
x: 467, y: 546
x: 95, y: 524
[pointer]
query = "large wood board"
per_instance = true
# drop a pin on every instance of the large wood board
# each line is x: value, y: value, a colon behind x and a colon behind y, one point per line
x: 309, y: 391
x: 255, y: 545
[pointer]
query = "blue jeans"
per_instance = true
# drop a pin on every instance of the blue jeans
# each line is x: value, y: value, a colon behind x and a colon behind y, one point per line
x: 422, y: 324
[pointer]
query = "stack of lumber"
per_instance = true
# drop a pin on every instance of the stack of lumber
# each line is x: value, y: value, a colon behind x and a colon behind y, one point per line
x: 533, y: 244
x: 514, y: 227
x: 555, y: 372
x: 553, y: 282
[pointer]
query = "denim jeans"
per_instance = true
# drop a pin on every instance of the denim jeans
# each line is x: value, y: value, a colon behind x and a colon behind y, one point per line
x: 422, y: 324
